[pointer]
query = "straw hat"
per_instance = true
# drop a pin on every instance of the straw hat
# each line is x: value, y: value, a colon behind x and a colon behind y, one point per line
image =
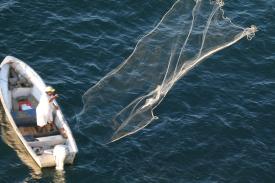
x: 49, y: 89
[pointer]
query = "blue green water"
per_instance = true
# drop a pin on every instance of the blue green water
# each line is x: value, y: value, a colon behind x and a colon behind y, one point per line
x: 215, y: 125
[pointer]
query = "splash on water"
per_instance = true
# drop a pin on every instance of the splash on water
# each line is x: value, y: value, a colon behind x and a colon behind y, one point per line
x: 123, y: 101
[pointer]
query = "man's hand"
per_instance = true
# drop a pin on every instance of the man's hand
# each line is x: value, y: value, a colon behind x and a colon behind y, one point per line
x: 53, y: 97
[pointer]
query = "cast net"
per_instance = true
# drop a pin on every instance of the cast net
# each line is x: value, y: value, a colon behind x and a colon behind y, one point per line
x: 123, y: 101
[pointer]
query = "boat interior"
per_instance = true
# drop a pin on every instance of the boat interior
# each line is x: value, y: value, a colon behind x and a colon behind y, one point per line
x: 23, y: 110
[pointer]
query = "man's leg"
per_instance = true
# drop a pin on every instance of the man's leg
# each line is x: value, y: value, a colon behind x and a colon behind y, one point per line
x: 39, y: 129
x: 51, y: 123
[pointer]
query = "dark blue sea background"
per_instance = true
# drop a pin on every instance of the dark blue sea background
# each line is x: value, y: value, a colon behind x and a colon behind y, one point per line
x: 217, y: 124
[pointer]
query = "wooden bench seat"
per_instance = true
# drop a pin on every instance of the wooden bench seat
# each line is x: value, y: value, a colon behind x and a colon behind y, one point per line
x: 47, y: 141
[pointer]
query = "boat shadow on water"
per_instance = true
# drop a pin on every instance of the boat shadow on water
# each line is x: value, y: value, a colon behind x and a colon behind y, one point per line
x: 10, y: 138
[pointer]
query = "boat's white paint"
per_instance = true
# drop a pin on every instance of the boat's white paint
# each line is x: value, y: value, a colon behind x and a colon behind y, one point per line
x: 46, y: 160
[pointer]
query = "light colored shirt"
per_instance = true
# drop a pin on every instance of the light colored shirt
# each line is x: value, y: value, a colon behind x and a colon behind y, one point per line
x: 44, y: 111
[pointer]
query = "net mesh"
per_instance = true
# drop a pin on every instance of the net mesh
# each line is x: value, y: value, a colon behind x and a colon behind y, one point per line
x: 123, y: 101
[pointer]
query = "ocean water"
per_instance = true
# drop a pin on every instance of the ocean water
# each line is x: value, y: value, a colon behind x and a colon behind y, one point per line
x: 216, y: 125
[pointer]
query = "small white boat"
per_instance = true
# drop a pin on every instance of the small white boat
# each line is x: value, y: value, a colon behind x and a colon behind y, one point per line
x: 21, y: 86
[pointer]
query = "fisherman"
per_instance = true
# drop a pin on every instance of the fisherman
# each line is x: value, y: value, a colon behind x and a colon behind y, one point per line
x: 44, y: 110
